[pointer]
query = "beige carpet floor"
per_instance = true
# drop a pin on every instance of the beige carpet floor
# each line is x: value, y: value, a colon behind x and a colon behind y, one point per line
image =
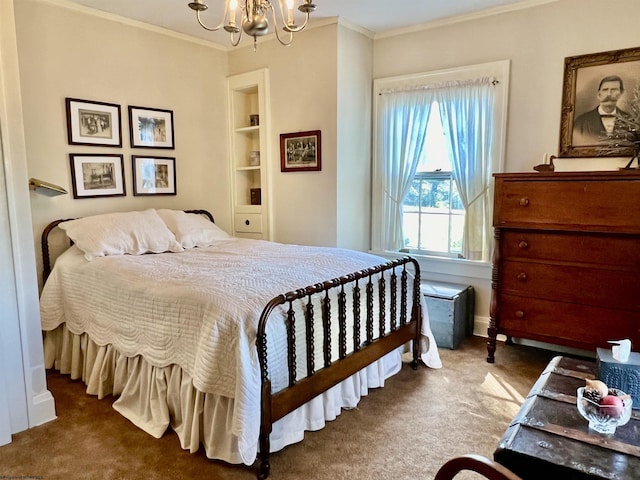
x: 405, y: 430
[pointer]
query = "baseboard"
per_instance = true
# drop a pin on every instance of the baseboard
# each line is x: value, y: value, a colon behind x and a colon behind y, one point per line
x: 481, y: 326
x: 43, y: 409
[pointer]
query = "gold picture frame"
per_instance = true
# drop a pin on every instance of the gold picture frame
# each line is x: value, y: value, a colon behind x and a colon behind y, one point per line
x: 583, y: 78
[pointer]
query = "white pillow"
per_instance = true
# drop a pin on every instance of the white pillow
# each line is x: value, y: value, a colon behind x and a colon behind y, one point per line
x: 192, y: 229
x: 131, y: 233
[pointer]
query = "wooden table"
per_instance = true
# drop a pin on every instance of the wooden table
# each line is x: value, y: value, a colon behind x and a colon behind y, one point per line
x: 549, y: 439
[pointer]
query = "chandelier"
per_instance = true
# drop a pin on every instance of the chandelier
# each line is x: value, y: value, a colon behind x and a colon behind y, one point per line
x: 253, y: 18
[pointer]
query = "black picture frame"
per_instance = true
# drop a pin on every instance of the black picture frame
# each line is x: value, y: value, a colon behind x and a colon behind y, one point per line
x: 153, y: 175
x: 151, y: 127
x: 93, y: 123
x: 97, y: 175
x: 582, y: 77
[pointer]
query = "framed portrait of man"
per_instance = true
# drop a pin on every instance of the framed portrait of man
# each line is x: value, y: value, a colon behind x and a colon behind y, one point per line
x: 600, y: 99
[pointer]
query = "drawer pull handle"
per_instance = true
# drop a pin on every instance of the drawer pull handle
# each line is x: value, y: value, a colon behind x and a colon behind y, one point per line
x: 519, y: 314
x: 247, y: 222
x: 523, y: 245
x: 524, y: 202
x: 522, y: 276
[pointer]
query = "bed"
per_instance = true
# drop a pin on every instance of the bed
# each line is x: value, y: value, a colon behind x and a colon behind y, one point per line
x: 237, y: 345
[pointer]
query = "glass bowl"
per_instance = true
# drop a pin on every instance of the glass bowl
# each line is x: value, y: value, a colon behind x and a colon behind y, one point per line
x: 604, y: 418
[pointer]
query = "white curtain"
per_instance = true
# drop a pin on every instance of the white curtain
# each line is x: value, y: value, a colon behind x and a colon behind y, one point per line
x: 404, y: 116
x: 466, y: 112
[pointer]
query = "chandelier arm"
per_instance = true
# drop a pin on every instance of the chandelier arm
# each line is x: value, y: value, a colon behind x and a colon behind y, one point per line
x: 211, y: 29
x: 282, y: 42
x: 285, y: 23
x: 237, y: 41
x: 299, y: 28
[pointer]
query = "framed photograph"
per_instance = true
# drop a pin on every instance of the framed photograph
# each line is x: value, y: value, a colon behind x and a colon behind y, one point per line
x: 151, y: 127
x: 300, y: 152
x: 93, y: 123
x: 600, y: 104
x: 97, y: 175
x: 154, y: 175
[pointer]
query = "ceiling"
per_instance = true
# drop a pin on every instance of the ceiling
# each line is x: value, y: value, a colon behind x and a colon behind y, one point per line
x: 377, y: 16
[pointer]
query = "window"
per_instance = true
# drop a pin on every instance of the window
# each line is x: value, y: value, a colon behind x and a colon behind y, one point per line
x: 433, y: 213
x: 438, y: 139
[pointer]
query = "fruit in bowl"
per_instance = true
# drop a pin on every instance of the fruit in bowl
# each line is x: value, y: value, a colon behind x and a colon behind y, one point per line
x: 605, y: 408
x: 613, y: 404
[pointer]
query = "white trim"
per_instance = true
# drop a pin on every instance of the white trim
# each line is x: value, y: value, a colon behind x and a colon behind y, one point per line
x: 29, y: 401
x: 5, y: 416
x: 350, y: 25
x: 132, y: 23
x: 76, y: 7
x: 452, y: 267
x: 462, y: 18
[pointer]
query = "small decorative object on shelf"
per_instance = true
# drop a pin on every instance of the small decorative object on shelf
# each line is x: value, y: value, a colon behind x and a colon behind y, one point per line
x: 254, y: 120
x: 546, y: 167
x: 256, y: 196
x: 254, y: 158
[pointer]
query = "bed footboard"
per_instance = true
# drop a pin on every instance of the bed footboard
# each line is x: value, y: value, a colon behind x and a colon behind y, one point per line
x: 363, y: 335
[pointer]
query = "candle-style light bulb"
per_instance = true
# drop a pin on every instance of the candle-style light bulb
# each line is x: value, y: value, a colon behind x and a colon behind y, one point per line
x: 233, y: 5
x: 290, y: 12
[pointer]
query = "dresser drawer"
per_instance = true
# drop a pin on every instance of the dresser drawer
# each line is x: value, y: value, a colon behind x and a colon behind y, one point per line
x: 570, y: 324
x: 248, y: 223
x: 569, y: 205
x: 602, y: 287
x: 601, y: 249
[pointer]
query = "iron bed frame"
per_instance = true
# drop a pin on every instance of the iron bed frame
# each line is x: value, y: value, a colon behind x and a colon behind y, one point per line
x: 383, y: 335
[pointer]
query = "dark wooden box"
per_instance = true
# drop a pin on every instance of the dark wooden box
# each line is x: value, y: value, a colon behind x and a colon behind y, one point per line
x: 549, y: 439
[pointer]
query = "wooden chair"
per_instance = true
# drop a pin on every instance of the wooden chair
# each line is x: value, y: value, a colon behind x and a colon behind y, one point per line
x: 476, y: 463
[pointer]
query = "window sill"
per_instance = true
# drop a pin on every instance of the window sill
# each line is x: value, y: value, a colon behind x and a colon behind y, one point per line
x: 456, y: 267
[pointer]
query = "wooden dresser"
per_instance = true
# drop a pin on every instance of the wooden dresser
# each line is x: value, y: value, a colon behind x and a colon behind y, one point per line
x: 566, y: 258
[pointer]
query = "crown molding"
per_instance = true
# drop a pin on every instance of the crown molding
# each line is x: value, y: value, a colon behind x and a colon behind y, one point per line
x: 69, y: 5
x: 356, y: 28
x: 462, y: 18
x: 130, y: 22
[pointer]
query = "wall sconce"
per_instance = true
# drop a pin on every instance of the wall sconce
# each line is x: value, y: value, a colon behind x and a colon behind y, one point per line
x: 46, y: 188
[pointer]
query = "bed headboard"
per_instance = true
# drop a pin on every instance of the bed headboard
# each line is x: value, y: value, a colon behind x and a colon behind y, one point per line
x: 44, y: 240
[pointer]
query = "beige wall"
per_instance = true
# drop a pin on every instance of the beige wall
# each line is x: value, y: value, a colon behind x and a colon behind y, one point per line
x: 321, y: 82
x: 64, y: 53
x: 353, y: 103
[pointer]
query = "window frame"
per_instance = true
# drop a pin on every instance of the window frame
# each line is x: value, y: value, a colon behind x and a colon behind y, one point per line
x: 431, y: 176
x: 498, y: 70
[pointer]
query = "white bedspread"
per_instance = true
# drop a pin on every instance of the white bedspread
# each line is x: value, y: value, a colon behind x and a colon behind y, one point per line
x: 162, y: 305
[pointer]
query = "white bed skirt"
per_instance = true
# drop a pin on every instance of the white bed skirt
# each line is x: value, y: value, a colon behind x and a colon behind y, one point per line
x: 154, y: 398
